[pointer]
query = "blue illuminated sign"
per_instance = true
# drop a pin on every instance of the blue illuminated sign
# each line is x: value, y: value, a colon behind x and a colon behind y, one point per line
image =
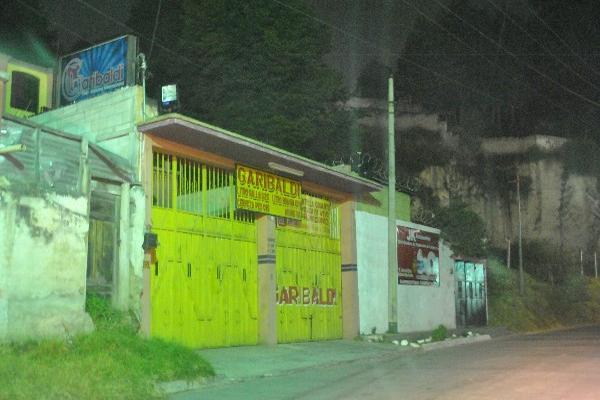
x: 96, y: 70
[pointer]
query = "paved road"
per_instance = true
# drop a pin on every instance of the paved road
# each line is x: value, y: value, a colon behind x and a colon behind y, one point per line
x: 556, y: 365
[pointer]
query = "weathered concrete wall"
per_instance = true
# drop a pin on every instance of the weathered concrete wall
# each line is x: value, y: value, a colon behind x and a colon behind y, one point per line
x: 420, y: 308
x: 110, y: 120
x: 43, y: 260
x: 556, y: 207
x: 136, y: 252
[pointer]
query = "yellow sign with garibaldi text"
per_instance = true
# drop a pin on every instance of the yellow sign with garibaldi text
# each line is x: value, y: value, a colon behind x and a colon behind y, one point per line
x: 267, y: 193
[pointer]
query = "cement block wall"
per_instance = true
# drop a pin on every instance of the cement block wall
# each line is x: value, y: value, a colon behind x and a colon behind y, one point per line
x: 110, y: 120
x: 43, y: 260
x: 420, y: 308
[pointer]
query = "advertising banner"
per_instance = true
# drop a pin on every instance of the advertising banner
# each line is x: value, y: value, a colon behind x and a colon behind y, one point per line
x: 96, y: 70
x: 418, y: 256
x: 316, y: 217
x: 267, y: 193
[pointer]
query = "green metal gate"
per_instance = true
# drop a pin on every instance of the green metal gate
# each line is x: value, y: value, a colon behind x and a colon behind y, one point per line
x: 204, y: 283
x: 471, y: 298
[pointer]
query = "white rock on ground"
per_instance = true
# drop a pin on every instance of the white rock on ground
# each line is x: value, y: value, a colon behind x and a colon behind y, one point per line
x: 404, y: 342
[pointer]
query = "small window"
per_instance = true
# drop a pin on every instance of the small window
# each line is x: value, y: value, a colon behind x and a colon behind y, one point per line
x: 25, y: 89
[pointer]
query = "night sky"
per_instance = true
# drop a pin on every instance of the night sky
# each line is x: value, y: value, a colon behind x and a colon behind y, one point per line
x: 368, y: 30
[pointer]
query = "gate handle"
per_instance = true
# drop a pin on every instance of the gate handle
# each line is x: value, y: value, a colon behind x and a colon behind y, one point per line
x: 156, y: 269
x: 189, y: 270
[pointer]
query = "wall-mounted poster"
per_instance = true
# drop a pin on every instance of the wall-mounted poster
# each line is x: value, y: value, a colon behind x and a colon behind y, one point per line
x: 418, y: 256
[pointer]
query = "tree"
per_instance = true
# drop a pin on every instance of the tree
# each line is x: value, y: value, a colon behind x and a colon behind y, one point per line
x: 25, y: 34
x: 256, y: 68
x: 463, y: 228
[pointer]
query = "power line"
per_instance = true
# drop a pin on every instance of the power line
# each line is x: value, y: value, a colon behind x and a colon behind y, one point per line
x: 458, y: 83
x: 126, y: 27
x: 372, y: 44
x: 454, y: 36
x: 154, y: 30
x: 536, y: 15
x: 567, y: 66
x: 507, y: 73
x: 532, y: 68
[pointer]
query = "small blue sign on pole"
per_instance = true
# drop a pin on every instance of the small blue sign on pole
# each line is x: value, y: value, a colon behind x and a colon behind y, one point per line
x: 96, y: 70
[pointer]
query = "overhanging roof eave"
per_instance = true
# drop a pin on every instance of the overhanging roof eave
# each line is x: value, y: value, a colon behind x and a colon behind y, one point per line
x: 245, y: 150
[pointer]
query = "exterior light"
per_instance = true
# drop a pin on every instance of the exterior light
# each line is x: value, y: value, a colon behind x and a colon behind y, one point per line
x: 169, y: 101
x: 283, y: 168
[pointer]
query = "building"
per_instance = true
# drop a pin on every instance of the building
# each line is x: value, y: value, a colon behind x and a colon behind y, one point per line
x: 209, y: 237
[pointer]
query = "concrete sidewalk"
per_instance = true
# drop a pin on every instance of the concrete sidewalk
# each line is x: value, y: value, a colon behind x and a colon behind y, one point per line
x: 241, y: 363
x: 237, y: 364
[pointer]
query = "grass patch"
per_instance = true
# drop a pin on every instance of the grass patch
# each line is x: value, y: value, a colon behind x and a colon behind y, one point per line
x: 111, y: 363
x: 543, y: 306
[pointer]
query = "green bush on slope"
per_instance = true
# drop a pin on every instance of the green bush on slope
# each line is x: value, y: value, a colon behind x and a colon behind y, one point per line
x: 543, y: 306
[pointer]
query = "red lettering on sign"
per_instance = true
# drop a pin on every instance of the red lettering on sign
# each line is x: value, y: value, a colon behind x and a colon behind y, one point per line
x: 305, y: 295
x: 293, y: 294
x: 331, y: 296
x: 284, y: 297
x: 315, y: 296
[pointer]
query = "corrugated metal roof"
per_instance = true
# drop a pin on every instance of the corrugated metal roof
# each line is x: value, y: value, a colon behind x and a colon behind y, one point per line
x: 52, y: 158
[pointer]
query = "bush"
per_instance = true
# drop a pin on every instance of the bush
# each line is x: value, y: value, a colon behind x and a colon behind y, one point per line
x: 500, y: 279
x: 440, y: 333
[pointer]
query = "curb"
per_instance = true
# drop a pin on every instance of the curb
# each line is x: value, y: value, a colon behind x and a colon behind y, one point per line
x: 455, y: 342
x: 172, y: 387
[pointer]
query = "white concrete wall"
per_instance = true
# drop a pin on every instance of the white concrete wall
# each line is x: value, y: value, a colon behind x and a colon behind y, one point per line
x: 43, y: 261
x: 420, y: 308
x: 424, y: 308
x: 372, y: 263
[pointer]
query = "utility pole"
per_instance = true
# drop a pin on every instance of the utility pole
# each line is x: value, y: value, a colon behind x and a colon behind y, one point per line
x: 521, y: 278
x: 392, y: 235
x: 508, y: 254
x: 581, y: 261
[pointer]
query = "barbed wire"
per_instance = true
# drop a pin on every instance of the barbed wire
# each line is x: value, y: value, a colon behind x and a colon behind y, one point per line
x: 371, y: 167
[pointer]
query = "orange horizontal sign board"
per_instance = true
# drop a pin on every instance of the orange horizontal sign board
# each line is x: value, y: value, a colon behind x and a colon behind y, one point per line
x: 267, y: 193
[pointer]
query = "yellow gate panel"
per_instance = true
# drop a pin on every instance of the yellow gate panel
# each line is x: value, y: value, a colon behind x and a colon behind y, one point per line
x: 204, y: 284
x: 308, y: 264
